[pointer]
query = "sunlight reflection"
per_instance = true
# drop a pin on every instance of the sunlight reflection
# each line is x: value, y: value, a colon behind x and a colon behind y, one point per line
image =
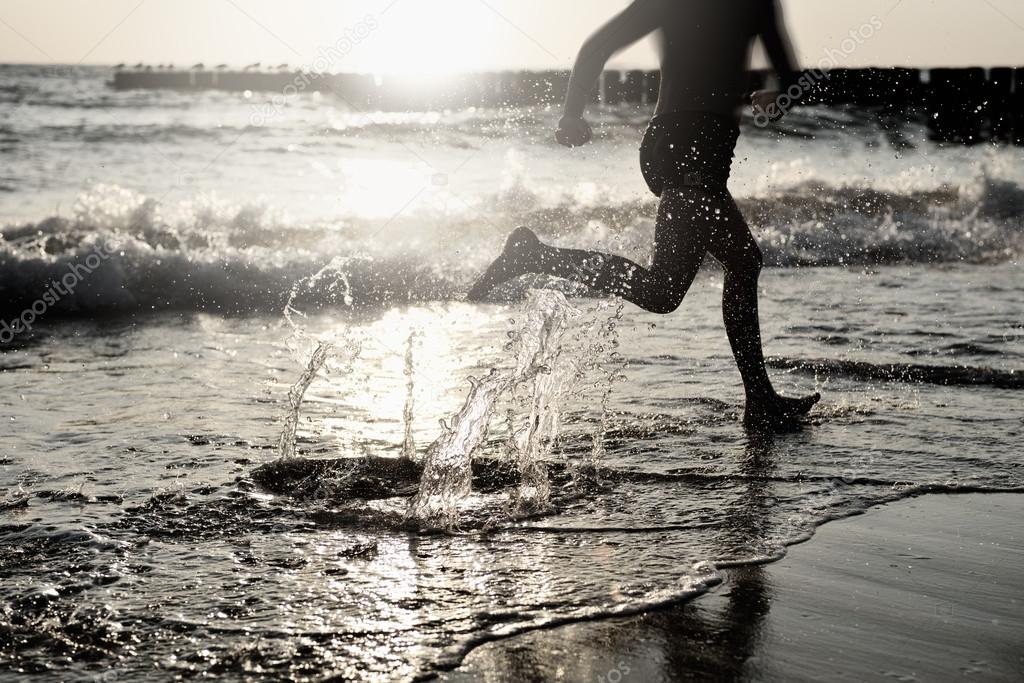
x: 372, y: 399
x: 381, y: 188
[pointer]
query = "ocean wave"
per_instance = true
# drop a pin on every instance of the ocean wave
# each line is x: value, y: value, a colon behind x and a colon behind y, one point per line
x: 226, y: 258
x: 816, y: 225
x: 134, y: 133
x: 942, y: 375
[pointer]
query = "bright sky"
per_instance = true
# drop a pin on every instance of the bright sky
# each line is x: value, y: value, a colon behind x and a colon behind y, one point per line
x: 445, y: 35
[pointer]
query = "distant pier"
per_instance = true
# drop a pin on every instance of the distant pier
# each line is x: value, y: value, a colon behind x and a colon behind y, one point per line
x: 962, y: 105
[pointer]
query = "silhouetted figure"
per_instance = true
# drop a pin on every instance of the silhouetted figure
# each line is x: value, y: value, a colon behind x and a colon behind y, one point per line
x: 686, y: 157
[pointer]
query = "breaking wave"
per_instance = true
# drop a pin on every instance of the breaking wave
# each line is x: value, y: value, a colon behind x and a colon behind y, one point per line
x: 236, y: 259
x: 942, y: 375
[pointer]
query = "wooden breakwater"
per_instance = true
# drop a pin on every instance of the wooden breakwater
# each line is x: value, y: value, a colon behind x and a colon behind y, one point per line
x: 964, y: 105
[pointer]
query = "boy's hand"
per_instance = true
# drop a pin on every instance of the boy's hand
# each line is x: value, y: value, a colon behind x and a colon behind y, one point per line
x: 766, y: 104
x: 573, y: 132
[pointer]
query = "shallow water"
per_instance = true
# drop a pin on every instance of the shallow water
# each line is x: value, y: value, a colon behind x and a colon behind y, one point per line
x: 133, y: 533
x: 135, y: 538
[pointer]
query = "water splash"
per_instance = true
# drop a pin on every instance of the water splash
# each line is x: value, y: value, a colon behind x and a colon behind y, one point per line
x: 409, y: 442
x: 333, y: 280
x: 539, y: 358
x: 544, y: 366
x: 447, y: 475
x: 286, y: 445
x: 613, y: 372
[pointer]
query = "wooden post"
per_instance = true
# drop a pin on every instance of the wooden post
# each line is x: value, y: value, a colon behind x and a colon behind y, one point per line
x: 956, y: 105
x: 633, y: 87
x: 1000, y: 106
x: 612, y: 88
x: 652, y: 87
x: 1017, y: 106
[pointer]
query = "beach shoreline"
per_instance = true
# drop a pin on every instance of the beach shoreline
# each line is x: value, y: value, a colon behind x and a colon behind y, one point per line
x: 921, y: 589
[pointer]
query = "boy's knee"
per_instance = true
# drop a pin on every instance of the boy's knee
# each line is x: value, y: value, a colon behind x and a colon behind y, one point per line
x: 754, y: 258
x: 666, y: 305
x: 757, y: 263
x: 749, y: 266
x: 663, y: 308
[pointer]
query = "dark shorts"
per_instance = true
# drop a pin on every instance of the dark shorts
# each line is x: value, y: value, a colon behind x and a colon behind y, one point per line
x: 688, y: 149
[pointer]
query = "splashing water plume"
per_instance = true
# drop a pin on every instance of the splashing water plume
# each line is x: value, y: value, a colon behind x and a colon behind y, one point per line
x: 540, y: 359
x: 286, y: 446
x: 322, y: 352
x: 447, y: 472
x: 447, y: 475
x: 610, y: 335
x: 409, y: 442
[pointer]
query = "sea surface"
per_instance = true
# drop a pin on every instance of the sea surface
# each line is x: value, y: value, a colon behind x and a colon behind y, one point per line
x: 252, y: 277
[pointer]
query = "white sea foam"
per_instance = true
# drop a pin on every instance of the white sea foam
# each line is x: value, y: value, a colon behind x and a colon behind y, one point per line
x: 222, y: 257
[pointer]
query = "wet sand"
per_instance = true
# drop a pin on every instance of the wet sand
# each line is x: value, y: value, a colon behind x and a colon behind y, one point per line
x: 924, y: 589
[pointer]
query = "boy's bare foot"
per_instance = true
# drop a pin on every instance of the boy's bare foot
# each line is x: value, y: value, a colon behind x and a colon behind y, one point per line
x: 777, y: 413
x: 512, y: 263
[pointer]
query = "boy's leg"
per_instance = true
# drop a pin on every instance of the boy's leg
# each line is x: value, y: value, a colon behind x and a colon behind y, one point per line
x: 682, y: 233
x: 734, y: 247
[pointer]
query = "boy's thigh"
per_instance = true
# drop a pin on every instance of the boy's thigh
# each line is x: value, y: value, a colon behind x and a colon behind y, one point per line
x: 684, y: 229
x: 730, y: 240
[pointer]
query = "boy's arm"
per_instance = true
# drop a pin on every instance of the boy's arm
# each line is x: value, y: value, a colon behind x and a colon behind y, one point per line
x: 775, y: 37
x: 636, y: 21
